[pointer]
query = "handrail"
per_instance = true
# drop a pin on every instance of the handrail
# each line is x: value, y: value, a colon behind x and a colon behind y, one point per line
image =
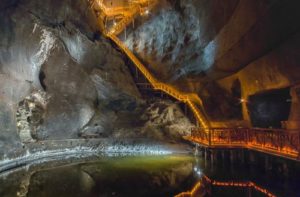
x: 190, y: 98
x: 113, y: 11
x: 285, y: 143
x: 159, y: 85
x: 201, y: 185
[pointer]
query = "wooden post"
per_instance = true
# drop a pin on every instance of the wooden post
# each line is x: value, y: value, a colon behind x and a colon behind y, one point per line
x: 247, y: 141
x: 267, y: 168
x: 223, y: 156
x: 243, y: 155
x: 209, y: 136
x: 136, y: 73
x: 212, y: 157
x: 205, y: 155
x: 285, y: 169
x: 196, y: 150
x: 202, y: 152
x: 249, y: 192
x: 251, y: 157
x: 232, y: 156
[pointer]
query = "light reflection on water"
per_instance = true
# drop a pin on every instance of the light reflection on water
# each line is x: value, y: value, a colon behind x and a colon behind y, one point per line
x: 107, y: 176
x: 165, y: 175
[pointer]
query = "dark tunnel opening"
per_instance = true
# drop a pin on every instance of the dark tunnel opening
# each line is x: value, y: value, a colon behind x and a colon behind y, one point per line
x: 268, y: 109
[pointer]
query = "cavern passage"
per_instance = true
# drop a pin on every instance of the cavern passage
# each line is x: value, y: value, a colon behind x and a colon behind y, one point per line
x: 149, y: 98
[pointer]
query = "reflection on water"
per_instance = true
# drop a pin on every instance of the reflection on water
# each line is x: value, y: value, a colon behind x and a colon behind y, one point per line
x: 205, y: 185
x: 108, y: 176
x: 137, y: 176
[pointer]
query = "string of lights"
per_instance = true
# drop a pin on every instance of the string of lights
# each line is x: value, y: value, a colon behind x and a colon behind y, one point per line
x: 271, y: 141
x: 192, y: 100
x: 201, y: 186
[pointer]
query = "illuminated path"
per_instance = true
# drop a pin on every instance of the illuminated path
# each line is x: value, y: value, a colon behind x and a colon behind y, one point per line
x: 192, y: 100
x: 122, y: 15
x: 280, y: 143
x: 186, y: 98
x: 200, y: 188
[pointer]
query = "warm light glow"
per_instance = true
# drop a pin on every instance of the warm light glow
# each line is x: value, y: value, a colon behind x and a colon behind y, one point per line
x: 243, y: 100
x: 277, y: 142
x: 128, y: 13
x: 192, y: 192
x: 147, y: 12
x: 186, y: 98
x: 205, y: 179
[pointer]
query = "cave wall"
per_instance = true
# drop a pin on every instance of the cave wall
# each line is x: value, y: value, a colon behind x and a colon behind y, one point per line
x: 61, y: 79
x: 258, y: 47
x: 276, y: 70
x: 197, y: 45
x: 262, y: 39
x: 55, y: 40
x: 186, y: 40
x: 172, y: 40
x: 275, y: 23
x: 225, y: 52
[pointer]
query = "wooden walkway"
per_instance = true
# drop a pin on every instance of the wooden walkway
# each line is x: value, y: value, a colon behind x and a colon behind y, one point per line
x: 279, y: 142
x: 191, y: 99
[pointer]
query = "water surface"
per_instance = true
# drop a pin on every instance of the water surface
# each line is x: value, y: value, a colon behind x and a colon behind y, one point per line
x: 157, y: 176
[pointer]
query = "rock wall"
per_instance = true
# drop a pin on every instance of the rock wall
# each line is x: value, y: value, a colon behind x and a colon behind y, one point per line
x: 55, y: 47
x: 48, y: 46
x: 60, y: 79
x: 197, y: 45
x: 276, y: 70
x: 174, y: 38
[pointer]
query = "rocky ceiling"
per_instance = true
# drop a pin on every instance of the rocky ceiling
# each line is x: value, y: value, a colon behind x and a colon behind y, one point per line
x: 186, y: 39
x: 214, y: 47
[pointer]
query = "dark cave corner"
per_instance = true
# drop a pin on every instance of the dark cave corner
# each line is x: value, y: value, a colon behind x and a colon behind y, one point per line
x: 269, y: 109
x: 42, y: 78
x: 222, y: 105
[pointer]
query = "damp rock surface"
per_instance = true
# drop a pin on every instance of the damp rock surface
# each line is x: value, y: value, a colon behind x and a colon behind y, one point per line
x: 60, y: 79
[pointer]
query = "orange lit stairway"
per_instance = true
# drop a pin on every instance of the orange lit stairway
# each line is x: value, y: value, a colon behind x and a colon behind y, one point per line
x: 205, y: 136
x: 183, y: 97
x: 192, y: 100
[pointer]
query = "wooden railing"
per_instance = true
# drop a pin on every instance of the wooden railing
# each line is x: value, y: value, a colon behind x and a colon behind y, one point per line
x: 203, y: 187
x: 281, y: 142
x: 273, y: 141
x: 188, y: 98
x: 119, y: 27
x: 191, y: 99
